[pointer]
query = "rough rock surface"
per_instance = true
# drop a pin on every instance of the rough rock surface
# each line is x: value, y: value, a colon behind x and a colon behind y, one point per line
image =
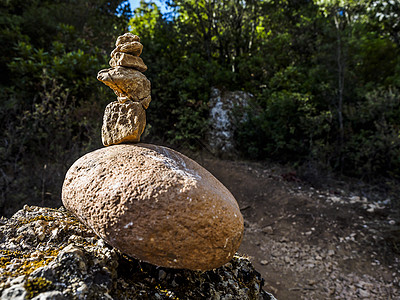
x: 134, y: 48
x: 130, y: 85
x: 123, y: 122
x: 155, y: 204
x: 129, y: 61
x: 224, y: 121
x: 48, y: 254
x: 127, y: 83
x: 126, y: 38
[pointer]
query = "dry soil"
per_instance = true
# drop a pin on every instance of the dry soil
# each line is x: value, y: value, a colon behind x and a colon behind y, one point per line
x: 309, y: 243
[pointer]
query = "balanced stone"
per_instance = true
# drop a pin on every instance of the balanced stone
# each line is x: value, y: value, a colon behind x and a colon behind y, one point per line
x: 134, y: 48
x: 128, y: 61
x: 127, y: 83
x: 155, y: 204
x: 126, y: 38
x: 123, y: 123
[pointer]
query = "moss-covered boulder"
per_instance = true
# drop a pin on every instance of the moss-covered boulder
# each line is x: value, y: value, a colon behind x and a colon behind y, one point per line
x: 47, y: 254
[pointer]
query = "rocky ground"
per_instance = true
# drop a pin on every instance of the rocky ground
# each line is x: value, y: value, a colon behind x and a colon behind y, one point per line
x: 48, y: 254
x: 309, y: 243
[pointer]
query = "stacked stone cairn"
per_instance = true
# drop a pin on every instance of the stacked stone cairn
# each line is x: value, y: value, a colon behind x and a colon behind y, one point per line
x: 149, y: 202
x: 124, y: 120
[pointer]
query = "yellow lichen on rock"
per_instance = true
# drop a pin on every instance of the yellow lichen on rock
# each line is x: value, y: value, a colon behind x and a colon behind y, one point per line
x: 24, y: 263
x: 73, y: 263
x: 35, y: 286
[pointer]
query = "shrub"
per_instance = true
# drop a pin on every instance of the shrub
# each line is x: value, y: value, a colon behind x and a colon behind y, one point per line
x: 373, y: 146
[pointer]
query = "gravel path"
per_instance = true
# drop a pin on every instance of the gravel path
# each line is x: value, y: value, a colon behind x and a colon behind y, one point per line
x: 312, y: 244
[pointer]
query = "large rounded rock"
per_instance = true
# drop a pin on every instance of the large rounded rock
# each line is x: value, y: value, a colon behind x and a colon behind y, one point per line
x: 155, y: 204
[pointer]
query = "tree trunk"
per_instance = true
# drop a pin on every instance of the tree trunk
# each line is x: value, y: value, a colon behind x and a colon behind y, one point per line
x: 341, y: 82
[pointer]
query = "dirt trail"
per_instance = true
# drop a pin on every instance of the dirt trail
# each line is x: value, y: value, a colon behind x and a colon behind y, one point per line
x: 308, y: 243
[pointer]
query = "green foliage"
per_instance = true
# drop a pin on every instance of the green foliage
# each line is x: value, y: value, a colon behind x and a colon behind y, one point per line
x: 312, y: 66
x: 180, y: 80
x: 73, y: 68
x: 384, y: 16
x: 50, y: 101
x: 282, y: 130
x: 374, y: 144
x: 325, y: 76
x: 40, y: 143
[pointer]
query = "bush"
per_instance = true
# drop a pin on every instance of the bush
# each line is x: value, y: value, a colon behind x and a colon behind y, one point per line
x: 41, y: 143
x: 50, y: 115
x: 284, y: 127
x: 373, y: 146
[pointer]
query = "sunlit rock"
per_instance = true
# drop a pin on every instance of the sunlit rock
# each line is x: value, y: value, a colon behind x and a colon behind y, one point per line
x: 155, y: 204
x: 123, y: 122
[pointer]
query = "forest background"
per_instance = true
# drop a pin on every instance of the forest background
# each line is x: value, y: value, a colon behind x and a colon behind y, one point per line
x: 325, y: 76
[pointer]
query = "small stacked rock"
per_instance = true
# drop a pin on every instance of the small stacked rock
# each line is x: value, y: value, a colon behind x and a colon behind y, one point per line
x: 124, y: 120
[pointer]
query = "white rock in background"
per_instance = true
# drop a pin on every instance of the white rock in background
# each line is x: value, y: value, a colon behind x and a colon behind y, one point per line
x: 222, y: 120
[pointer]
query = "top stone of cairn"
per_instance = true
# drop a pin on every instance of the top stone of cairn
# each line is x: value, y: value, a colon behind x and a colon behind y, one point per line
x: 126, y: 38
